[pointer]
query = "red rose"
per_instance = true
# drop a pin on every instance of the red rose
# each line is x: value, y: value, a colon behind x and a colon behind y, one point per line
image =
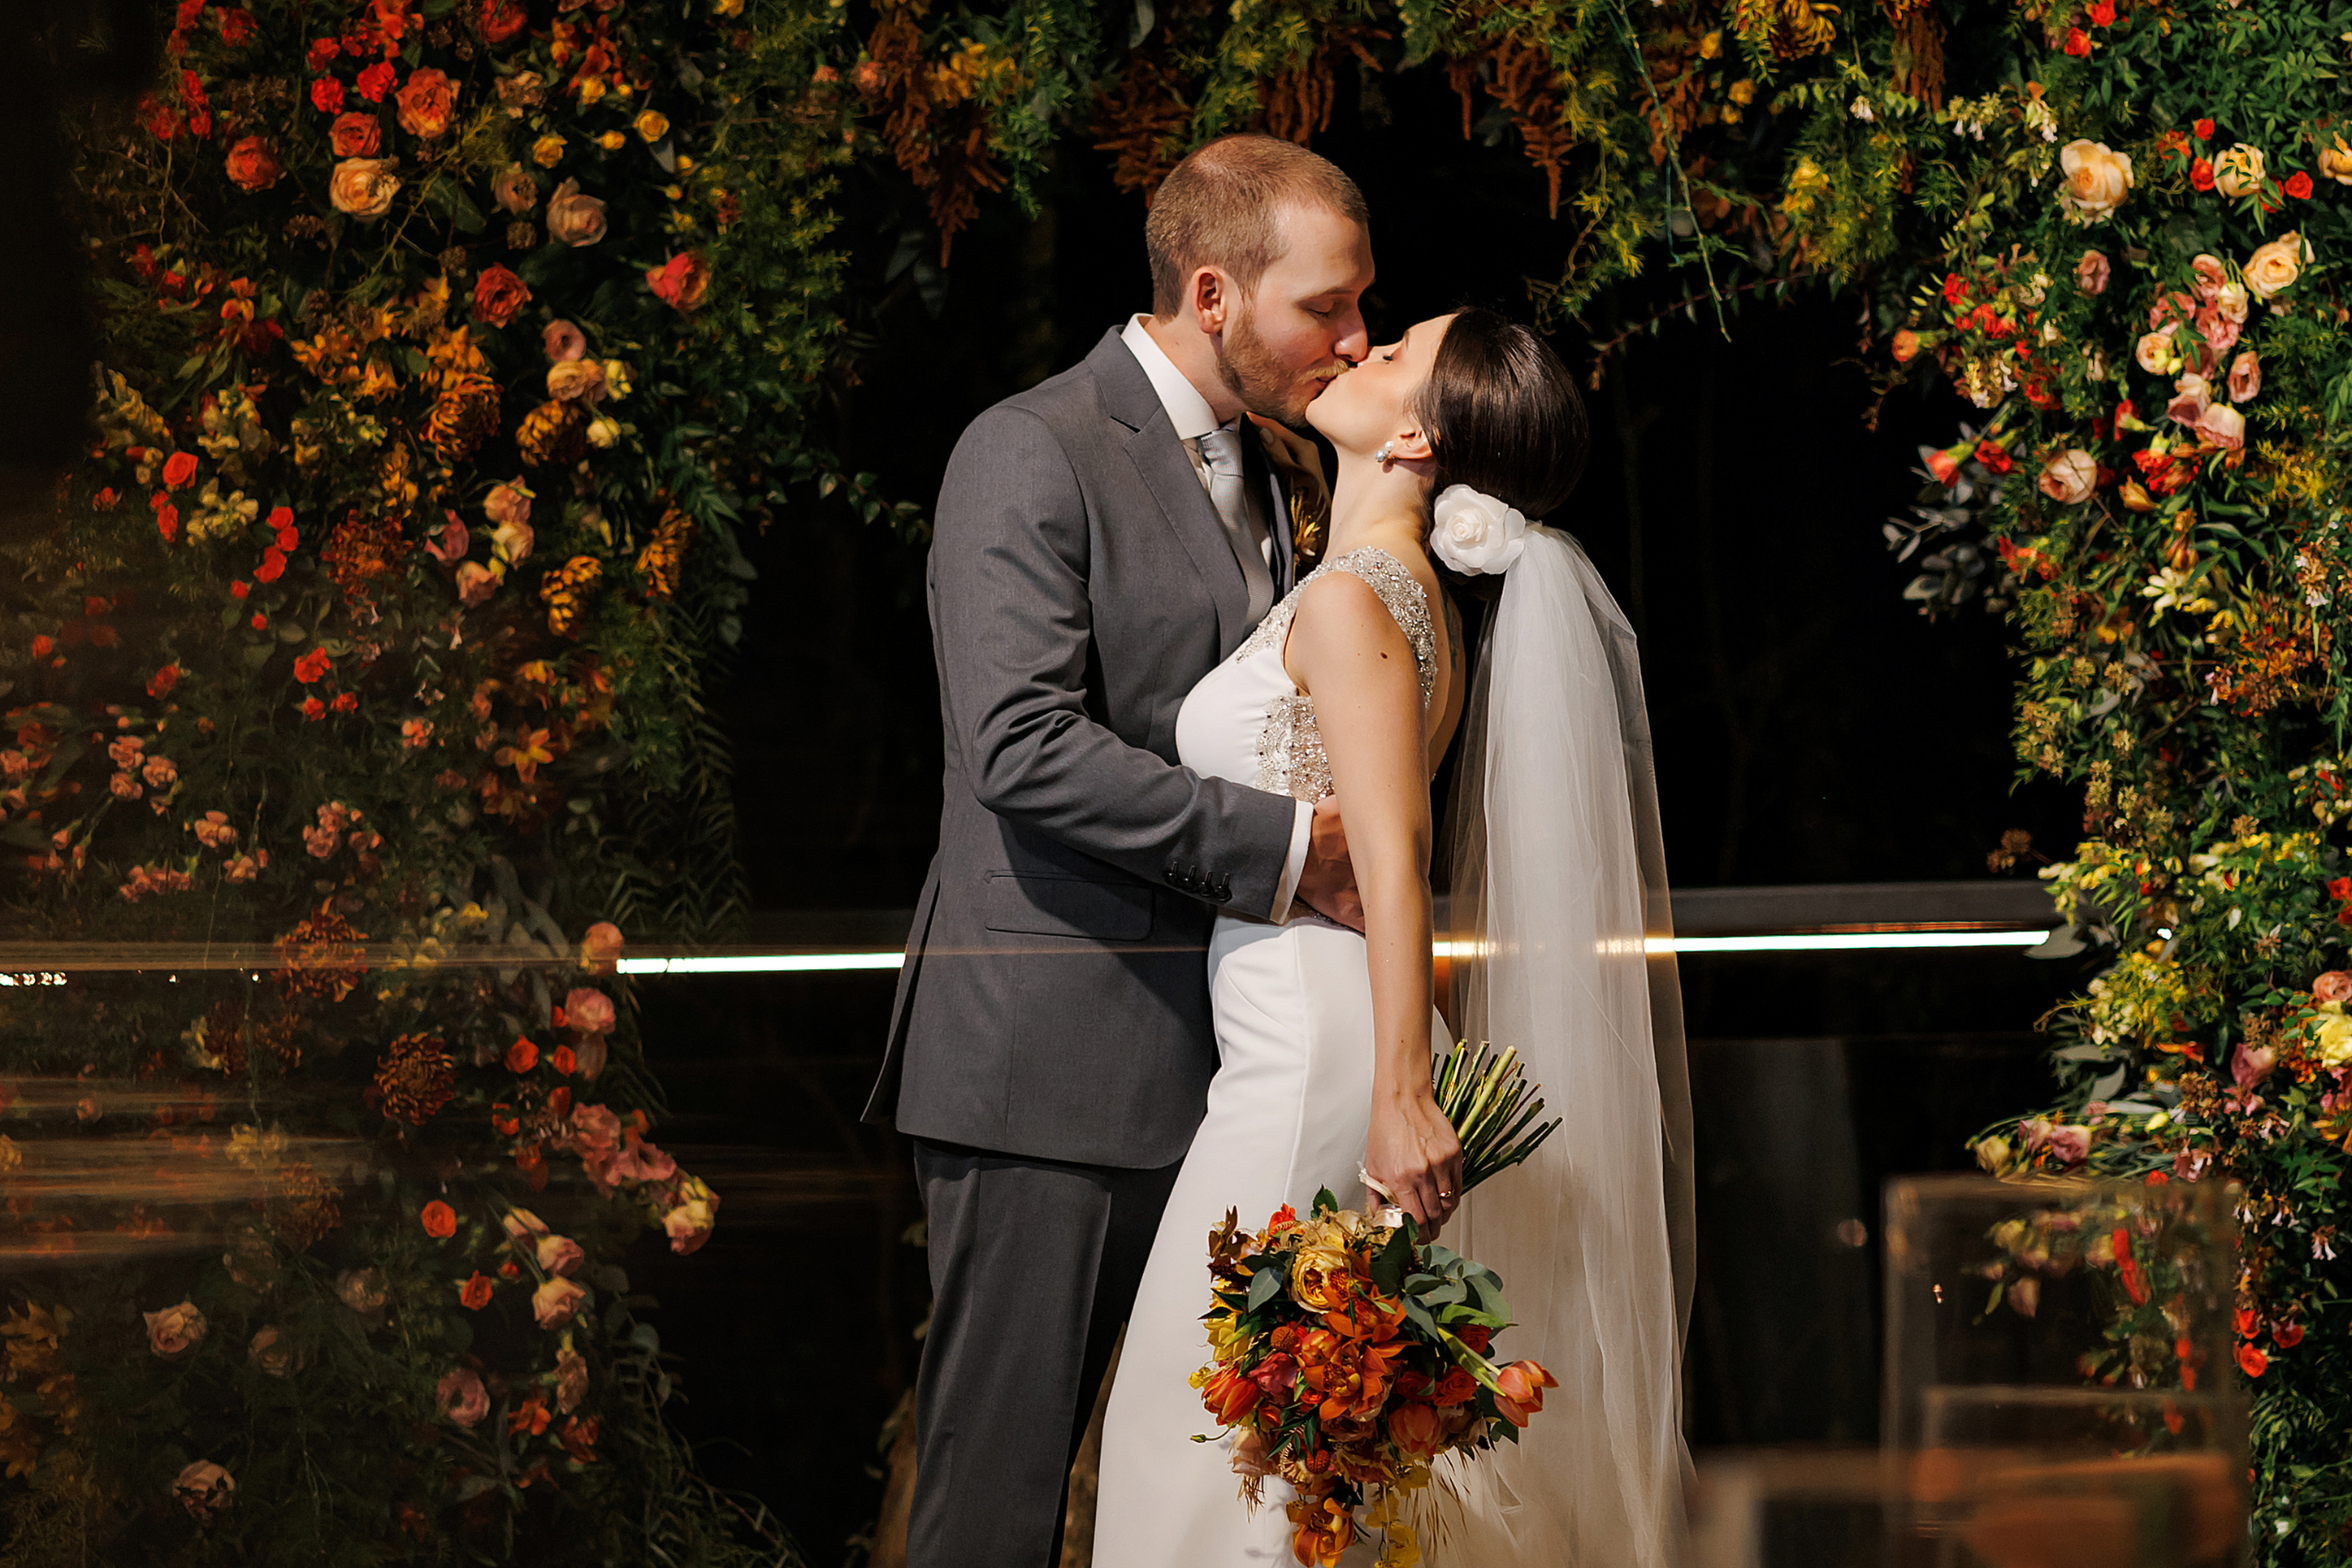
x: 2101, y: 12
x: 254, y: 165
x: 164, y: 680
x: 2204, y: 130
x: 376, y: 81
x: 326, y: 95
x: 2287, y: 1334
x: 178, y: 469
x: 2252, y: 1361
x: 562, y: 1061
x: 501, y: 19
x: 280, y: 522
x: 498, y: 294
x: 474, y: 1294
x: 167, y: 523
x: 236, y: 28
x: 2299, y: 185
x: 272, y: 566
x: 356, y: 135
x: 681, y: 282
x: 313, y: 665
x: 322, y: 51
x: 2340, y: 889
x: 522, y: 1056
x: 2079, y: 42
x: 427, y: 100
x: 312, y: 709
x: 260, y: 622
x: 440, y: 1220
x: 236, y: 590
x: 2200, y: 174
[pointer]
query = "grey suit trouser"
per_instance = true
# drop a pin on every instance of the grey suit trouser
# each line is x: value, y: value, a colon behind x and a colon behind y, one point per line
x: 1033, y: 1267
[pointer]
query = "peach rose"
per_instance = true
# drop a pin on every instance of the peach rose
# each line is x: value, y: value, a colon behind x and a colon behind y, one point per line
x: 2238, y: 171
x: 560, y: 1255
x: 515, y: 190
x: 460, y: 1397
x: 2335, y: 986
x: 574, y: 219
x: 2155, y: 351
x: 681, y: 282
x: 563, y: 341
x: 204, y: 1488
x: 475, y: 582
x: 557, y: 1302
x: 356, y: 135
x: 1905, y: 346
x: 363, y: 188
x: 509, y: 502
x: 2191, y: 395
x: 2092, y: 272
x: 2252, y: 1063
x: 2274, y: 269
x: 689, y: 1221
x: 2070, y: 477
x: 588, y: 1009
x: 270, y: 1354
x: 600, y: 949
x: 362, y: 1289
x: 2210, y: 276
x: 520, y: 1223
x: 253, y: 164
x: 2246, y: 378
x: 176, y: 1330
x: 576, y: 380
x: 2097, y: 179
x: 2224, y: 426
x: 427, y: 100
x: 2336, y: 161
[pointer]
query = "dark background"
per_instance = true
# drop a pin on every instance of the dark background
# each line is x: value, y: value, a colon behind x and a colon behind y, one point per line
x: 1811, y: 727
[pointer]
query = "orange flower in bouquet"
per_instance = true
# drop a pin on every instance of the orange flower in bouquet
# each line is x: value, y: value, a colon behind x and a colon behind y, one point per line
x: 1349, y: 1355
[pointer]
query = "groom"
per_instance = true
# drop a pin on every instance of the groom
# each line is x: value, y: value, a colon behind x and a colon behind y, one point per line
x: 1103, y: 540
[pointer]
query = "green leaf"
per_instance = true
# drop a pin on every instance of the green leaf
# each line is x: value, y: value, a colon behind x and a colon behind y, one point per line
x: 1265, y: 1283
x: 1388, y: 1269
x: 1324, y: 1202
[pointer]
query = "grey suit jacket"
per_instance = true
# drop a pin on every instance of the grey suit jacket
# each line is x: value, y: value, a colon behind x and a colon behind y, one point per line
x: 1055, y: 999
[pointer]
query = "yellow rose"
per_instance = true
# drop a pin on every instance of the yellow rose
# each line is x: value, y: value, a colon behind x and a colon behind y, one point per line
x: 547, y: 151
x: 1318, y: 1278
x: 2097, y: 179
x: 2275, y: 266
x: 653, y: 125
x: 2335, y: 163
x: 612, y: 142
x: 2335, y: 1040
x: 1743, y: 91
x: 363, y: 187
x: 2238, y: 171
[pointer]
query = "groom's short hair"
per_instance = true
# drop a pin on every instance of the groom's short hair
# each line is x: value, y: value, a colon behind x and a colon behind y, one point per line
x: 1222, y: 206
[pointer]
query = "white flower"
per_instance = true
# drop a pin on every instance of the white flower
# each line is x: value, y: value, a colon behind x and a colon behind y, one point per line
x: 1864, y: 112
x: 1476, y: 533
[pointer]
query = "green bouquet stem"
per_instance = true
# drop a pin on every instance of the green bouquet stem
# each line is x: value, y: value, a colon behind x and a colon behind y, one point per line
x: 1493, y: 1106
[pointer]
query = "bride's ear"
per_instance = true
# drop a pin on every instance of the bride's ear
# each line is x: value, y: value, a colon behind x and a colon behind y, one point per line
x: 1410, y: 447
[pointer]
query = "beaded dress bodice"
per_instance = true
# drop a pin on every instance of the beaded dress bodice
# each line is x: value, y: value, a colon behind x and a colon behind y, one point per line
x: 1247, y: 721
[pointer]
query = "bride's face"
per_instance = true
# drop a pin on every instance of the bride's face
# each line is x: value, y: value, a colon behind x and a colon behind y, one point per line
x: 1373, y: 403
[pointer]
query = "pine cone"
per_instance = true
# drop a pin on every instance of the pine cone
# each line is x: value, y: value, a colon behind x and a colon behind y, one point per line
x: 553, y: 433
x: 464, y: 417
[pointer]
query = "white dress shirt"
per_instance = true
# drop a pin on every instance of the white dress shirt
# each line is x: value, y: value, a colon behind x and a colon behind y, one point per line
x: 1192, y: 418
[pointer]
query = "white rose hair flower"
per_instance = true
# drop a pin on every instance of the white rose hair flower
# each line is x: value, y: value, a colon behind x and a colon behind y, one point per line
x: 1474, y: 533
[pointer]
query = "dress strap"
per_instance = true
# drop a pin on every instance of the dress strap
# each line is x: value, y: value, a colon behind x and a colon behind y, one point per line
x: 1401, y: 593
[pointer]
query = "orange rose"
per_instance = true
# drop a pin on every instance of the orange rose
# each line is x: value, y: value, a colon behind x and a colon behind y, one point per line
x: 522, y: 1056
x: 681, y: 282
x: 176, y: 1330
x: 2335, y: 986
x: 356, y: 135
x: 1417, y: 1429
x: 364, y: 188
x: 440, y: 1220
x: 474, y: 1294
x: 576, y: 380
x: 501, y: 19
x: 574, y: 219
x: 557, y: 1302
x: 498, y: 294
x: 253, y: 164
x: 1519, y: 1391
x: 425, y: 101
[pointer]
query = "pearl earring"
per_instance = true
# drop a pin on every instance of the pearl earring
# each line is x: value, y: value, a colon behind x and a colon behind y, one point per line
x: 1380, y: 457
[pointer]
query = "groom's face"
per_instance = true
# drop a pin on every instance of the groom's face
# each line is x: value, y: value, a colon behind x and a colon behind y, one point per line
x: 1303, y: 325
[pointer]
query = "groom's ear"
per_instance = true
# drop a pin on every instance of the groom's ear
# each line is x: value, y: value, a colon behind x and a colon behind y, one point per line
x: 1212, y: 301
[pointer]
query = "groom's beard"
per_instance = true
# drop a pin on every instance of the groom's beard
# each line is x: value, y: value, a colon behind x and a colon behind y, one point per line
x: 1257, y: 377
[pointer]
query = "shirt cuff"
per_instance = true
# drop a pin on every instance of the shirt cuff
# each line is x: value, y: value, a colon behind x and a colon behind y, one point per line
x: 1301, y: 832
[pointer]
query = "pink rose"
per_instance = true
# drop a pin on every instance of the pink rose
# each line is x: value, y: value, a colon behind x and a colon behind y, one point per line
x: 2070, y: 477
x: 557, y: 1302
x: 521, y: 1222
x: 508, y: 503
x: 450, y: 543
x: 2335, y: 986
x: 2170, y: 310
x: 475, y: 582
x: 2224, y: 426
x: 176, y: 1330
x: 2092, y: 272
x: 2154, y: 351
x: 2220, y: 332
x: 2246, y: 378
x: 204, y: 1488
x: 563, y: 341
x: 588, y: 1009
x: 560, y: 1255
x: 2251, y: 1064
x: 2210, y: 276
x: 2191, y: 395
x: 2070, y: 1144
x: 574, y: 219
x: 515, y: 190
x: 642, y: 1162
x: 594, y: 1128
x: 460, y: 1397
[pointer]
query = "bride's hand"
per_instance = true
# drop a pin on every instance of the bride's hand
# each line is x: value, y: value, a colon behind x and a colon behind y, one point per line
x: 1412, y: 1152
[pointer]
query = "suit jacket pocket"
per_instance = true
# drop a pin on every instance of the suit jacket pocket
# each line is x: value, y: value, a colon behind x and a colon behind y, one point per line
x: 1068, y: 905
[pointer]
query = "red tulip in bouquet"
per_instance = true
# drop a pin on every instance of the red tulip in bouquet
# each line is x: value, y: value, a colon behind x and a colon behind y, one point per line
x: 1349, y: 1353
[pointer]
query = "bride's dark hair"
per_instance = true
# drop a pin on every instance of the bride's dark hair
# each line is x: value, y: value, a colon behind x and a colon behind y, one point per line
x: 1502, y: 414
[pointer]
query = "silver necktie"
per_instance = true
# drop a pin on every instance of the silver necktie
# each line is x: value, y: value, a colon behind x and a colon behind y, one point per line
x: 1220, y: 453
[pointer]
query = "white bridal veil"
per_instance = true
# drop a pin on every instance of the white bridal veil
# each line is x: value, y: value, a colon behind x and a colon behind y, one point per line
x: 1559, y: 875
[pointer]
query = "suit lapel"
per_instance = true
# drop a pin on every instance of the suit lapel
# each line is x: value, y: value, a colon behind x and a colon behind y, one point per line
x: 1161, y: 463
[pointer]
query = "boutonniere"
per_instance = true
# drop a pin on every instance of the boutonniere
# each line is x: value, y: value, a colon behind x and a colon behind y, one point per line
x: 1308, y: 523
x: 1300, y: 463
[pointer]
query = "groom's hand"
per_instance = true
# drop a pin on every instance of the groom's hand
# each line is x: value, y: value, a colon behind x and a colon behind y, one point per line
x: 1327, y: 881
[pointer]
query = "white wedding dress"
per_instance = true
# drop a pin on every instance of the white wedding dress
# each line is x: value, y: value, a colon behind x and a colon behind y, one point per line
x: 1560, y: 899
x: 1288, y: 1113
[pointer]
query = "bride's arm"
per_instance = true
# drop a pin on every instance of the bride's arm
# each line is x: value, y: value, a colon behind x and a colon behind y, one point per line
x: 1346, y: 652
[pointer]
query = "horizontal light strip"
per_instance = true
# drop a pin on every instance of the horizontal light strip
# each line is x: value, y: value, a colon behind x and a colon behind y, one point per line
x: 1823, y: 942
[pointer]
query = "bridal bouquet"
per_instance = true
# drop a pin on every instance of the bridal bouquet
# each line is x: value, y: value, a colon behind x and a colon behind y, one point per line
x: 1349, y: 1354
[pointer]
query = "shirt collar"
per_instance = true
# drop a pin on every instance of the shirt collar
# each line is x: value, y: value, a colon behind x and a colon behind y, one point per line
x: 1187, y: 410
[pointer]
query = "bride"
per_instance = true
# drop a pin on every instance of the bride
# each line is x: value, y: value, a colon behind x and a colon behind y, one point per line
x: 1354, y: 684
